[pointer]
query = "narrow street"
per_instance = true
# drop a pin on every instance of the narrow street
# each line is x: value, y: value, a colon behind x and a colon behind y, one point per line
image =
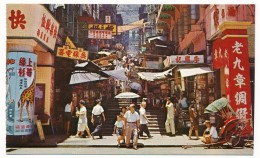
x: 164, y: 79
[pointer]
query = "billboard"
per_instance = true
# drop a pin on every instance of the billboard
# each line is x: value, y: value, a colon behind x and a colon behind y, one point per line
x: 111, y: 27
x: 20, y: 89
x: 32, y: 21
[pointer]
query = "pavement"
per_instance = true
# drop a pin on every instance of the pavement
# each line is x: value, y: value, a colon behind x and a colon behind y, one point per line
x: 111, y: 141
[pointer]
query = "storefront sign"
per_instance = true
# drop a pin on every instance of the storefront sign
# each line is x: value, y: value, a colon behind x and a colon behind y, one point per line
x: 111, y: 27
x: 20, y: 92
x: 32, y: 21
x: 70, y: 43
x: 108, y: 19
x: 100, y: 34
x: 77, y: 54
x: 186, y: 59
x: 232, y: 55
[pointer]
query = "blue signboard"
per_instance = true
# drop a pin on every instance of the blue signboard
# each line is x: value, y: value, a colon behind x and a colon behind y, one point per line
x: 20, y: 89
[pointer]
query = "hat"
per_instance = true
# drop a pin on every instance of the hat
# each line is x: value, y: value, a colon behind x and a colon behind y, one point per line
x: 206, y: 121
x: 82, y: 102
x: 131, y: 105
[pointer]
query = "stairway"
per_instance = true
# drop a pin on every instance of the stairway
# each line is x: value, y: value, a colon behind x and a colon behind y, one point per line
x: 156, y: 118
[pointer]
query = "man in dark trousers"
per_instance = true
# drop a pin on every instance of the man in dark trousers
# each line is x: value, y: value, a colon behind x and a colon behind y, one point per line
x: 96, y: 119
x: 143, y: 120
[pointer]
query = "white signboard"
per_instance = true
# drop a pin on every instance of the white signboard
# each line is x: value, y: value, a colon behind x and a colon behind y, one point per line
x: 186, y: 59
x: 100, y: 34
x: 108, y: 19
x: 32, y: 21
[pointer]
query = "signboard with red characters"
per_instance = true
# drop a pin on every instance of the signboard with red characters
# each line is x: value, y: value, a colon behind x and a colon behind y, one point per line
x: 20, y: 92
x: 32, y: 21
x: 186, y: 59
x: 232, y: 55
x: 100, y: 34
x: 77, y: 54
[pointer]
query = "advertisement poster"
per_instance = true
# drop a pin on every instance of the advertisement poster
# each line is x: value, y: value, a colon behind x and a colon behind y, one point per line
x: 20, y: 91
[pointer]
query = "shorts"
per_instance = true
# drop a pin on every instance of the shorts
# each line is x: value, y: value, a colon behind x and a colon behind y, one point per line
x: 67, y: 116
x: 119, y: 132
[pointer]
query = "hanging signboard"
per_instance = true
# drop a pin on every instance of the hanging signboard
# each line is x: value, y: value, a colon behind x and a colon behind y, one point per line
x: 77, y: 54
x: 20, y: 89
x: 100, y: 34
x: 32, y: 21
x: 111, y: 27
x: 186, y: 59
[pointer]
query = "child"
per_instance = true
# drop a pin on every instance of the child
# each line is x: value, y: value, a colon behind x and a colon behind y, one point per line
x: 119, y: 129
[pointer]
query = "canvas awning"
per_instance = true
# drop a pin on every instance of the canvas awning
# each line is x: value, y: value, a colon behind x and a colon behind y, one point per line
x: 131, y: 26
x: 151, y: 76
x: 84, y: 77
x: 118, y: 74
x: 185, y: 72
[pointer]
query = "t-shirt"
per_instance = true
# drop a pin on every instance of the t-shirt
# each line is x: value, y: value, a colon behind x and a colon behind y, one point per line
x: 97, y: 110
x: 142, y: 112
x: 120, y: 124
x: 183, y: 102
x: 68, y: 108
x: 170, y: 112
x: 83, y: 117
x: 131, y: 117
x: 213, y: 132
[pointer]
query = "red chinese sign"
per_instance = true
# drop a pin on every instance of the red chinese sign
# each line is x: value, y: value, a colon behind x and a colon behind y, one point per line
x: 17, y: 19
x: 186, y: 59
x: 232, y: 55
x: 32, y: 21
x: 78, y: 54
x: 100, y: 34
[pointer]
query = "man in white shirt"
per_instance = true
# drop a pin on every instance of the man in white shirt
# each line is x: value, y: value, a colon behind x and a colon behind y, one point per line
x: 97, y: 120
x: 132, y: 121
x: 169, y: 123
x: 210, y: 135
x: 143, y: 121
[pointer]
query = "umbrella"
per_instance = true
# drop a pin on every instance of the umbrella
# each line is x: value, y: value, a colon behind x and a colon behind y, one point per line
x: 127, y: 95
x: 218, y: 105
x: 136, y: 86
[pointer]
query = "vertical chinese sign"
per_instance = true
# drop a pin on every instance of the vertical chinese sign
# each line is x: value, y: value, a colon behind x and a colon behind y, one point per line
x: 231, y: 53
x: 20, y: 87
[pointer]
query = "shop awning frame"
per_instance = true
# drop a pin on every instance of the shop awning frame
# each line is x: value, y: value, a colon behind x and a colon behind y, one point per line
x: 186, y: 72
x: 151, y: 76
x: 78, y: 77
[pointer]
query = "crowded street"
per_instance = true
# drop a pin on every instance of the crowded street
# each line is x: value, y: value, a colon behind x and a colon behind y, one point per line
x: 157, y: 79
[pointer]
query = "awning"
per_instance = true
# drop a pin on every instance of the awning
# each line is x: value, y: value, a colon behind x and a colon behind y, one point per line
x: 151, y: 76
x: 118, y: 74
x: 87, y: 66
x: 131, y: 26
x: 185, y: 72
x: 84, y: 77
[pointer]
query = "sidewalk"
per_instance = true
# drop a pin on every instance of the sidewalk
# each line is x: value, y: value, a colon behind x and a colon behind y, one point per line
x: 111, y: 141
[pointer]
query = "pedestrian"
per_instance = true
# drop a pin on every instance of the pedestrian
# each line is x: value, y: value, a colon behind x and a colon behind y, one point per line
x: 183, y: 102
x: 194, y: 120
x: 83, y: 121
x: 132, y: 124
x: 96, y: 119
x: 119, y: 129
x: 210, y: 135
x: 169, y: 123
x: 143, y: 121
x: 67, y: 117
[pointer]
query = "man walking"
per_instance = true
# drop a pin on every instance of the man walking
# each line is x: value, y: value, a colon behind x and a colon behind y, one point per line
x: 97, y: 120
x: 132, y: 124
x: 143, y: 121
x: 169, y: 123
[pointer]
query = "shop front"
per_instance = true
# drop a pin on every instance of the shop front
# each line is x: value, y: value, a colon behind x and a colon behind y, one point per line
x: 31, y: 37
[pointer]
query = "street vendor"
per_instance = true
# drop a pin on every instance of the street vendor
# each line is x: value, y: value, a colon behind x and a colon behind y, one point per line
x: 210, y: 135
